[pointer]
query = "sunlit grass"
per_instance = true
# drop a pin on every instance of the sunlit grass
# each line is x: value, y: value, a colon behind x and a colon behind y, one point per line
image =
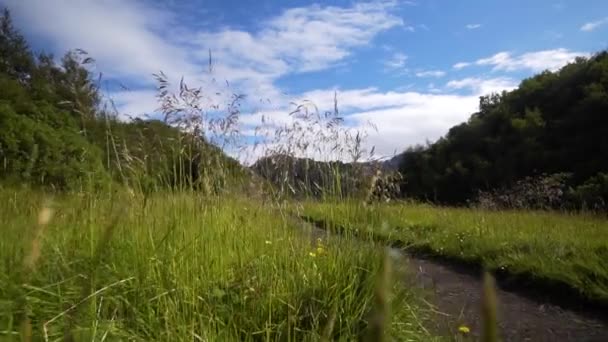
x: 549, y: 246
x: 184, y: 267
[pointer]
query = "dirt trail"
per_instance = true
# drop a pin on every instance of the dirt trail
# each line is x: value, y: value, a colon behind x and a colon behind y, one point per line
x: 455, y: 293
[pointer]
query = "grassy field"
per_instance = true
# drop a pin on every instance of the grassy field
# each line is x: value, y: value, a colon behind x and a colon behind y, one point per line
x: 547, y: 247
x: 106, y: 268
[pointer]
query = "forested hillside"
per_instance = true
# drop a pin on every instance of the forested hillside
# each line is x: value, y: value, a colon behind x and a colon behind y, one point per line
x: 58, y: 132
x: 553, y: 128
x: 303, y: 177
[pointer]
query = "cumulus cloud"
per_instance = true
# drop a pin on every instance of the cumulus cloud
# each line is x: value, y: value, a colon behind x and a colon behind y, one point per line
x: 420, y: 117
x: 142, y: 39
x: 406, y: 118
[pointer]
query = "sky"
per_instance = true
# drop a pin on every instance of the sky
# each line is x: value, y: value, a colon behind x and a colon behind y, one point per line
x: 412, y: 68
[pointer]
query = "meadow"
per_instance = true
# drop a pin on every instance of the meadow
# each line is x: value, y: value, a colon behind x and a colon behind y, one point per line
x: 543, y: 248
x: 154, y: 230
x: 181, y: 266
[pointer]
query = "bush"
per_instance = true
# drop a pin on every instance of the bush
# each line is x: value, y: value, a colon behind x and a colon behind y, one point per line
x: 34, y: 152
x: 540, y: 192
x: 592, y: 194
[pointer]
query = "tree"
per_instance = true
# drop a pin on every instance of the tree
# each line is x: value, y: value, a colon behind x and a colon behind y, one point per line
x: 553, y: 123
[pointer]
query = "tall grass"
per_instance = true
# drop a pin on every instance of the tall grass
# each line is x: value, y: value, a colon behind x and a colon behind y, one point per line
x: 183, y: 255
x: 185, y: 268
x: 551, y: 247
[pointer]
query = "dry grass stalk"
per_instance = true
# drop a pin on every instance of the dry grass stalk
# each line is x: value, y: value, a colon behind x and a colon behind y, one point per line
x: 29, y: 264
x: 489, y: 304
x: 379, y: 322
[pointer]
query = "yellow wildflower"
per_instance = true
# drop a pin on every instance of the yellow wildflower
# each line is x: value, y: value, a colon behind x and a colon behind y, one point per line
x: 312, y: 254
x: 464, y: 329
x: 268, y: 242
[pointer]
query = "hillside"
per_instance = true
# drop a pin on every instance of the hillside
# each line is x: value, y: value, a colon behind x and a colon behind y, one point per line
x: 304, y: 177
x: 57, y: 132
x: 553, y: 123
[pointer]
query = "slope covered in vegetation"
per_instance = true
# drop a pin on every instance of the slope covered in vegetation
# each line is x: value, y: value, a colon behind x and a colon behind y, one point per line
x: 59, y: 132
x: 553, y: 123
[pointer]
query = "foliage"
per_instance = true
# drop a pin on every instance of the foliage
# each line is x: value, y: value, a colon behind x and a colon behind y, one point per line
x: 35, y: 152
x: 593, y: 193
x: 553, y: 123
x: 385, y: 186
x: 540, y: 192
x: 57, y: 132
x: 185, y: 267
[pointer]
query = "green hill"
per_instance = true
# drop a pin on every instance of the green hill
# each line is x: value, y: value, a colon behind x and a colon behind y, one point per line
x: 57, y: 133
x: 553, y: 123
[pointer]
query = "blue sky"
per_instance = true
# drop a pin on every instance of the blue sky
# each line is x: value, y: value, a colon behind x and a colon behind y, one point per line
x: 413, y: 68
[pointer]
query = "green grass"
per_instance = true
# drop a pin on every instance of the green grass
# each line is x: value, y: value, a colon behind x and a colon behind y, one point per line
x: 184, y: 268
x: 547, y: 247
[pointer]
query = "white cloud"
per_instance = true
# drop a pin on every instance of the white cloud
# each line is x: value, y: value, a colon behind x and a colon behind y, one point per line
x: 431, y: 73
x: 482, y: 86
x: 140, y: 41
x: 396, y: 61
x: 273, y: 118
x: 132, y: 39
x: 473, y: 26
x: 500, y: 60
x: 302, y: 39
x: 415, y: 117
x: 405, y: 118
x: 533, y: 61
x: 434, y: 89
x: 590, y: 26
x: 461, y: 65
x: 135, y: 103
x: 356, y: 99
x: 421, y: 117
x: 121, y: 35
